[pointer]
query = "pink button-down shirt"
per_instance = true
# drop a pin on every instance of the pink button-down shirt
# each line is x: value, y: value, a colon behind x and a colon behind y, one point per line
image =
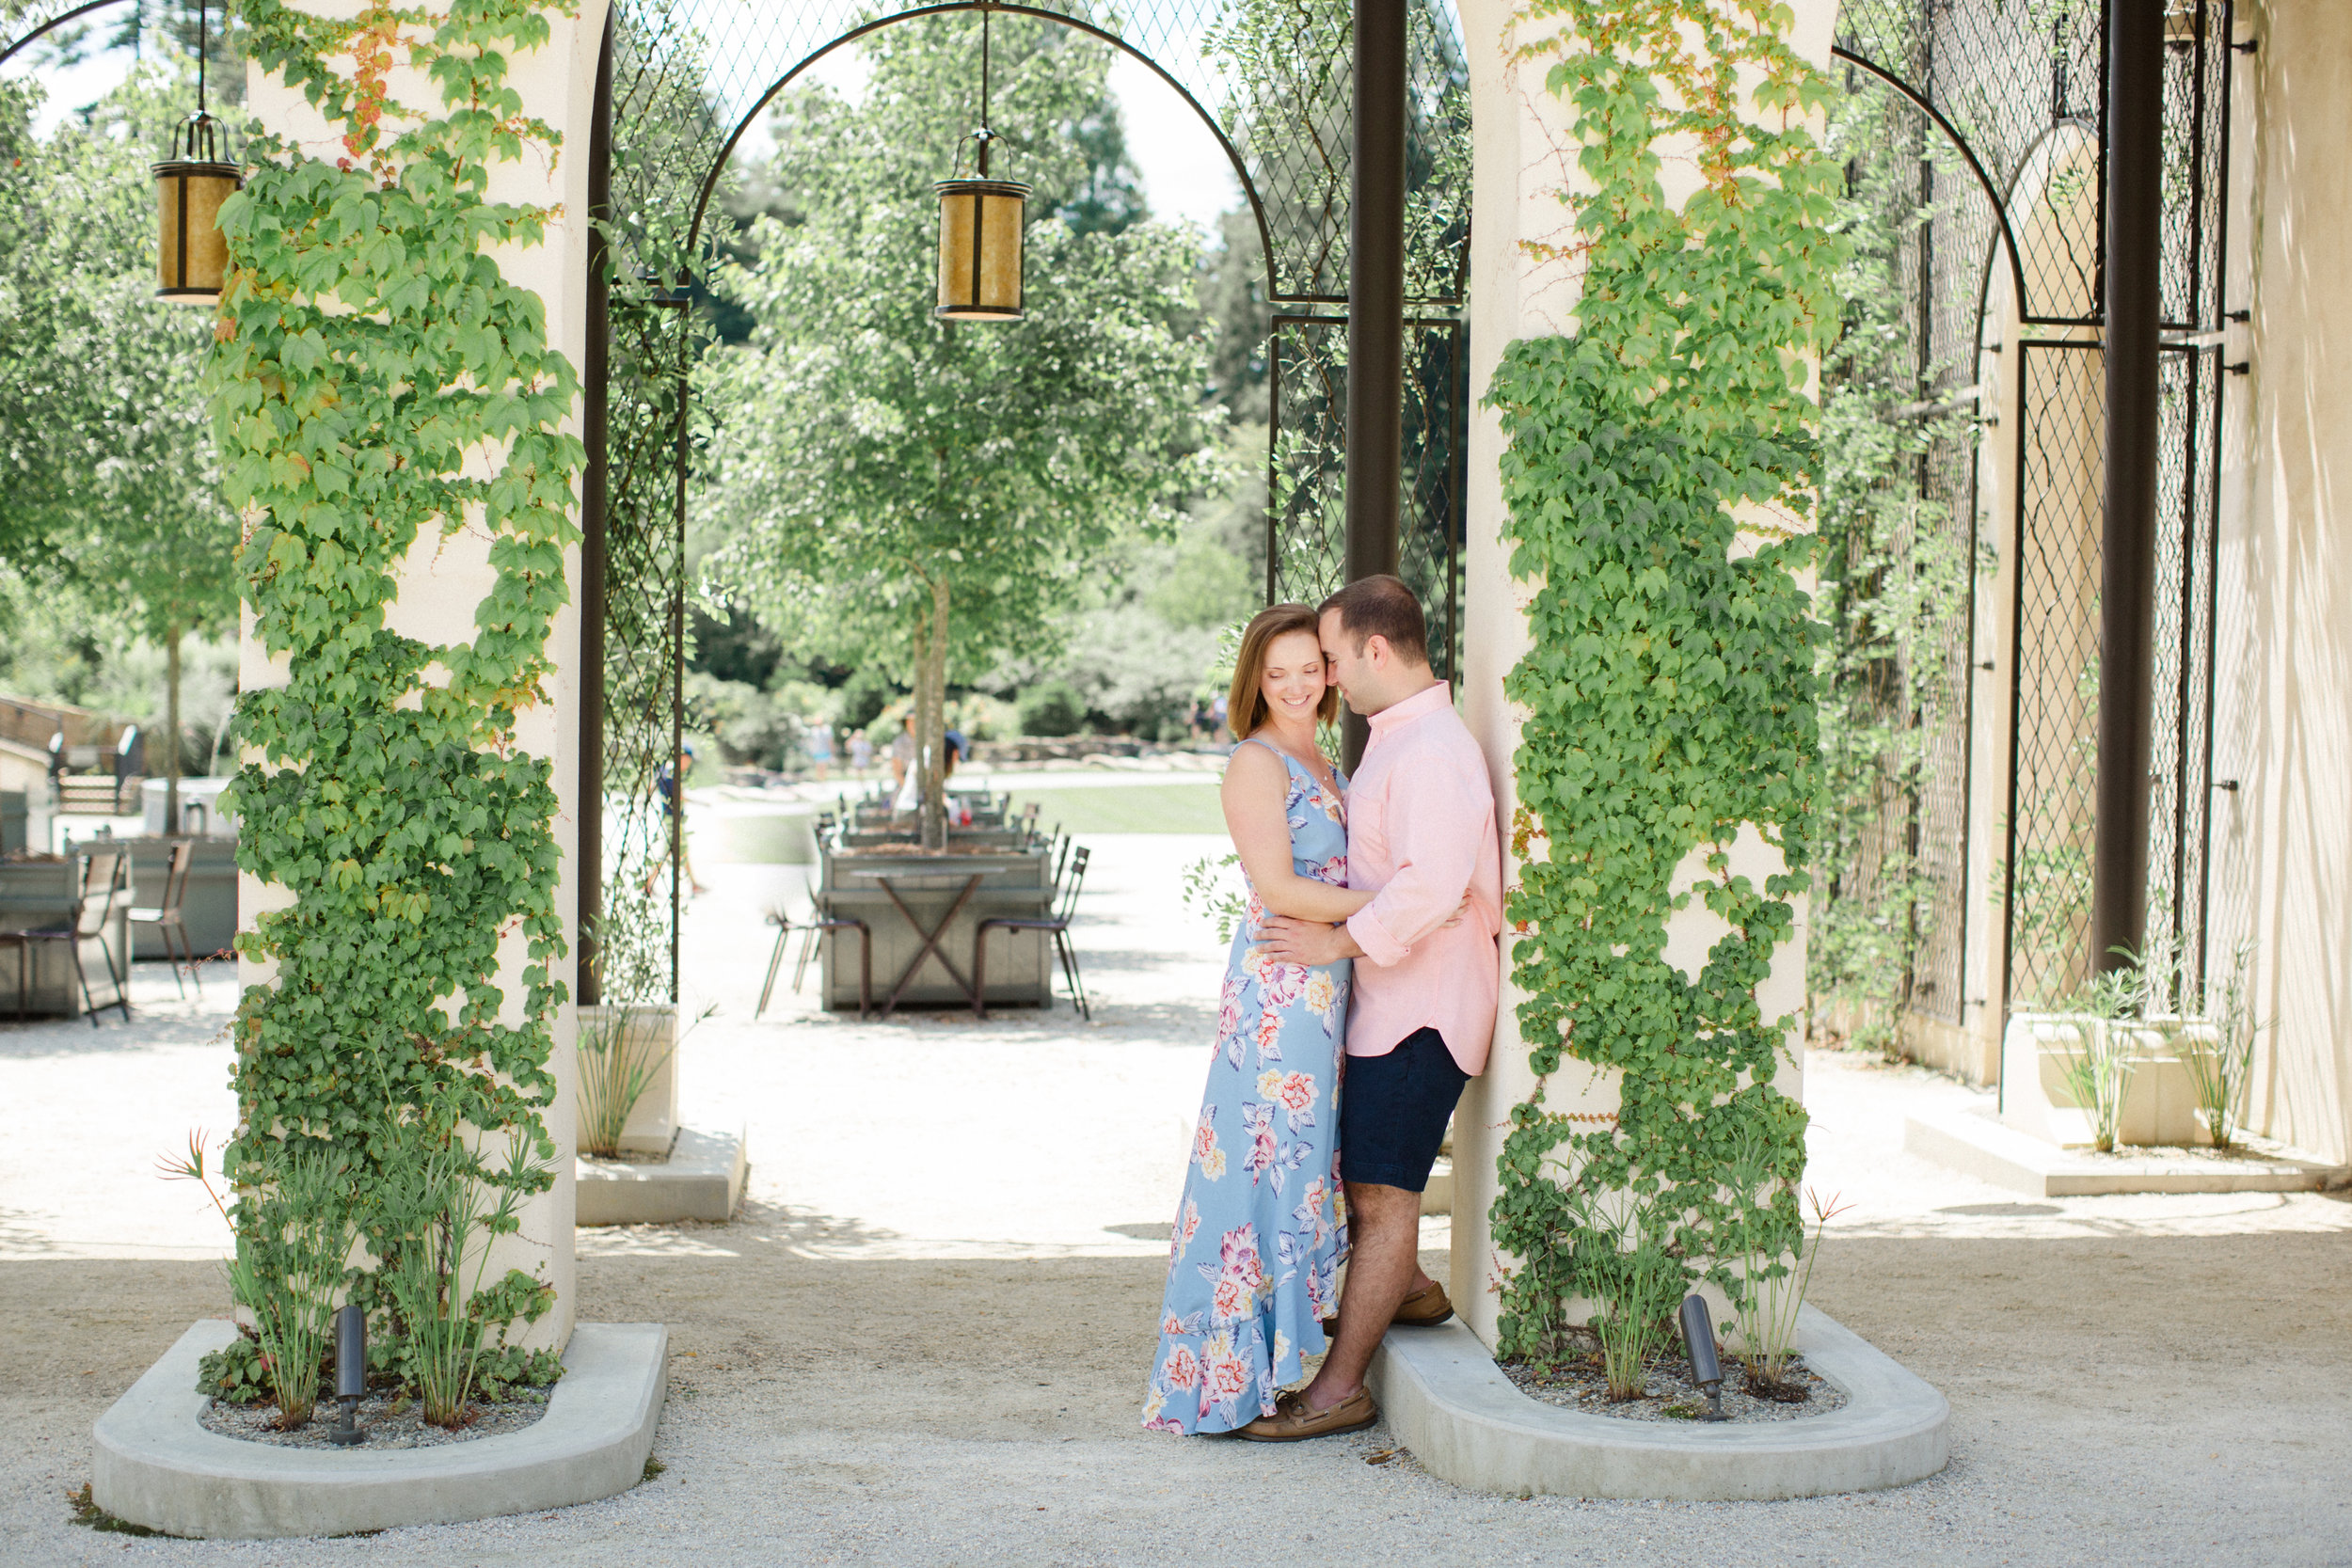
x: 1421, y: 832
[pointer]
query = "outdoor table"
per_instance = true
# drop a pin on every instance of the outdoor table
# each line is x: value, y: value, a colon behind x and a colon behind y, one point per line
x: 923, y: 912
x: 38, y: 891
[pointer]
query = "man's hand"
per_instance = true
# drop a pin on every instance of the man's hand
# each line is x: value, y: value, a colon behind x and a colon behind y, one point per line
x: 1308, y: 941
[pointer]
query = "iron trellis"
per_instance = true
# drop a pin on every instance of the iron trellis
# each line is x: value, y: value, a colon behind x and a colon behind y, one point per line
x: 684, y: 80
x: 2018, y: 92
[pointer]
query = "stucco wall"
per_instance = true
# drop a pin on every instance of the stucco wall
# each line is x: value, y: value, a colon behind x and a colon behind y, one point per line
x: 443, y: 580
x: 2282, y: 841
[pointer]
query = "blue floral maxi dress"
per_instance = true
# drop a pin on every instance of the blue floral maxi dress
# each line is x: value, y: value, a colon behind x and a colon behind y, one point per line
x: 1259, y: 1237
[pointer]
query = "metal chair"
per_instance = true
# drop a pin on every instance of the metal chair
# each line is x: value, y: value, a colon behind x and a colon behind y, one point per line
x: 103, y: 879
x: 819, y: 921
x: 164, y: 917
x: 1057, y: 925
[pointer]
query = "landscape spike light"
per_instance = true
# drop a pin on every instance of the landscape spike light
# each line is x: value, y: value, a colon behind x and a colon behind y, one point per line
x: 1698, y: 1342
x: 192, y: 260
x: 351, y: 1372
x: 980, y: 230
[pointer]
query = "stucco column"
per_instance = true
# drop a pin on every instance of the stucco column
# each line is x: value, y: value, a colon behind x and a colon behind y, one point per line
x: 445, y: 578
x: 1522, y: 157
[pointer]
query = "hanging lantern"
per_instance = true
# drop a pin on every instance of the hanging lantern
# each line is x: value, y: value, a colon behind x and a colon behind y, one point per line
x: 979, y: 230
x: 190, y: 186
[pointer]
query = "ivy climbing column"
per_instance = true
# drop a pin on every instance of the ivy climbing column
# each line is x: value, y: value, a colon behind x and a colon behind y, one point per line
x: 413, y: 233
x: 1632, y: 1052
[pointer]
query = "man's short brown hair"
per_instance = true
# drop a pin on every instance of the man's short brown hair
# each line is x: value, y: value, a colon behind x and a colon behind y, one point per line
x: 1381, y: 606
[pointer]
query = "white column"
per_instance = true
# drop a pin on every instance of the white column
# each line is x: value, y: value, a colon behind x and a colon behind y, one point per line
x: 1522, y: 157
x: 444, y: 579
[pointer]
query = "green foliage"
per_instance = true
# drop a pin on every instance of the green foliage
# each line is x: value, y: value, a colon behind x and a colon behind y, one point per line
x: 1669, y: 691
x: 1050, y: 708
x: 924, y: 496
x: 442, y: 1217
x: 1776, y: 1282
x: 237, y: 1374
x: 615, y: 1070
x: 296, y: 1223
x: 1214, y: 892
x: 498, y: 1374
x: 2220, y: 1067
x: 1894, y: 583
x: 108, y: 484
x: 376, y: 379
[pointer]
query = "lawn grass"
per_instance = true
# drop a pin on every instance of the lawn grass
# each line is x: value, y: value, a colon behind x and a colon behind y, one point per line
x: 1186, y: 808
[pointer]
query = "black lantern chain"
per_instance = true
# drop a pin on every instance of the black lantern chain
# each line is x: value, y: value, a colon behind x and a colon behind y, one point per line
x: 980, y: 223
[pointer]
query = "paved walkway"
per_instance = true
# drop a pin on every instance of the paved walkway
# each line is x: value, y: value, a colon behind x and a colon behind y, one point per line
x: 924, y: 1339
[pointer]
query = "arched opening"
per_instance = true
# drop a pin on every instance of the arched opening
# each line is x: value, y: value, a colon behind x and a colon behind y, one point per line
x: 639, y: 446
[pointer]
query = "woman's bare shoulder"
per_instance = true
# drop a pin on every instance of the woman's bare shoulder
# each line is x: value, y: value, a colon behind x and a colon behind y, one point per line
x: 1252, y: 765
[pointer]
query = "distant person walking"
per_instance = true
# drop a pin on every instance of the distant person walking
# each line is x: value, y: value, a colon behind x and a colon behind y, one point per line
x: 905, y: 777
x: 820, y: 749
x: 861, y: 752
x: 672, y: 800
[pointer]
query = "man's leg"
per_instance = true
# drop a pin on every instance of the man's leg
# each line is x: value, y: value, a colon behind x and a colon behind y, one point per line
x: 1383, y: 1268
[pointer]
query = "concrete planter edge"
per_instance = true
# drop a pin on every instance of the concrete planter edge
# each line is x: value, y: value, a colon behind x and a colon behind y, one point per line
x: 702, y: 1180
x: 1453, y: 1407
x: 153, y: 1463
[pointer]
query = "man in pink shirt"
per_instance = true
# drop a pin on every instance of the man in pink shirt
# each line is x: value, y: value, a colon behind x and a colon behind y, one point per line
x: 1420, y: 833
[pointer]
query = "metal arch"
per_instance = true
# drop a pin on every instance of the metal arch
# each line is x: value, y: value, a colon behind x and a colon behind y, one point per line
x: 54, y: 22
x: 1994, y: 194
x: 1233, y: 154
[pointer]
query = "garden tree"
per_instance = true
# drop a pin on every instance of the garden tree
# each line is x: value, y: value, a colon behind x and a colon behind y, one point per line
x: 107, y: 481
x: 894, y: 489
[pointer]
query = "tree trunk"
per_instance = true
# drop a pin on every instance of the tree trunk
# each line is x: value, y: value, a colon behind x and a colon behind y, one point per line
x: 930, y: 720
x: 172, y: 733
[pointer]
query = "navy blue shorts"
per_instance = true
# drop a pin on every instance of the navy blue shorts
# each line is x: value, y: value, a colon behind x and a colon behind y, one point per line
x: 1394, y: 1110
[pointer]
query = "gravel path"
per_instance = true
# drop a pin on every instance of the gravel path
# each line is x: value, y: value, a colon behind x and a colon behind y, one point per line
x: 2140, y: 1400
x: 924, y: 1339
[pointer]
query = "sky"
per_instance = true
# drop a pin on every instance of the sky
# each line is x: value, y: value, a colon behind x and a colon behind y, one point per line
x: 1185, y: 173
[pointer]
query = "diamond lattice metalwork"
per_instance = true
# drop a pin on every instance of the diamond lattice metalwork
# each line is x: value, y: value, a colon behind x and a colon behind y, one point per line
x: 1275, y: 81
x: 1307, y: 470
x: 2016, y: 87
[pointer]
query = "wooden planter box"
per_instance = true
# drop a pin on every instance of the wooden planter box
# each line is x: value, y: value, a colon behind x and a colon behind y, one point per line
x: 1015, y: 883
x: 38, y: 893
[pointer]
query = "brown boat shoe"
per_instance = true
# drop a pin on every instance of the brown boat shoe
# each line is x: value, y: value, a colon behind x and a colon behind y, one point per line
x: 1424, y: 1309
x: 1294, y: 1423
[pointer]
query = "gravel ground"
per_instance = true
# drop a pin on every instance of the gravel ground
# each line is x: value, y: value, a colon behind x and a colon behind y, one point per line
x: 924, y: 1339
x: 2125, y: 1401
x: 1668, y: 1393
x: 389, y: 1423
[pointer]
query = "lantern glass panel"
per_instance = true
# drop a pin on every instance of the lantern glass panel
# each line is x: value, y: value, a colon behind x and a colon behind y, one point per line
x: 980, y: 225
x: 192, y: 258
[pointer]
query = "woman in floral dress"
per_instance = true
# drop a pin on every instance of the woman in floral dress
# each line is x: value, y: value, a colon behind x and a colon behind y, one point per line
x: 1260, y: 1236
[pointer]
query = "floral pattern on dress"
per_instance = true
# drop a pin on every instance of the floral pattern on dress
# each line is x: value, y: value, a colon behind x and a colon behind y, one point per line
x: 1254, y: 1255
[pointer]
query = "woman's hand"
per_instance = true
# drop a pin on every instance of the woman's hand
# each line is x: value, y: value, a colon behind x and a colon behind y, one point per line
x: 1308, y: 941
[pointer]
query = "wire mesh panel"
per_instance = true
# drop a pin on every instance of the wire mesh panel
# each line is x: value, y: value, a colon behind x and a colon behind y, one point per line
x: 644, y: 664
x: 2004, y: 76
x: 2181, y: 749
x: 1307, y: 470
x: 1276, y: 80
x: 2018, y: 86
x: 2051, y: 818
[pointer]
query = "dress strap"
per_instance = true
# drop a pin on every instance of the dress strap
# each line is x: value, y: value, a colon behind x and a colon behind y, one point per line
x: 1288, y: 761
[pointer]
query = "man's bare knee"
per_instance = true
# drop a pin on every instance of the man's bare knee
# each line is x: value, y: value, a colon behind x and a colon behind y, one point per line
x: 1374, y: 1206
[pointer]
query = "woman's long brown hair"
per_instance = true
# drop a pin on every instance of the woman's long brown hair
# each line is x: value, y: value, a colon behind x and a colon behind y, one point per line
x: 1246, y: 703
